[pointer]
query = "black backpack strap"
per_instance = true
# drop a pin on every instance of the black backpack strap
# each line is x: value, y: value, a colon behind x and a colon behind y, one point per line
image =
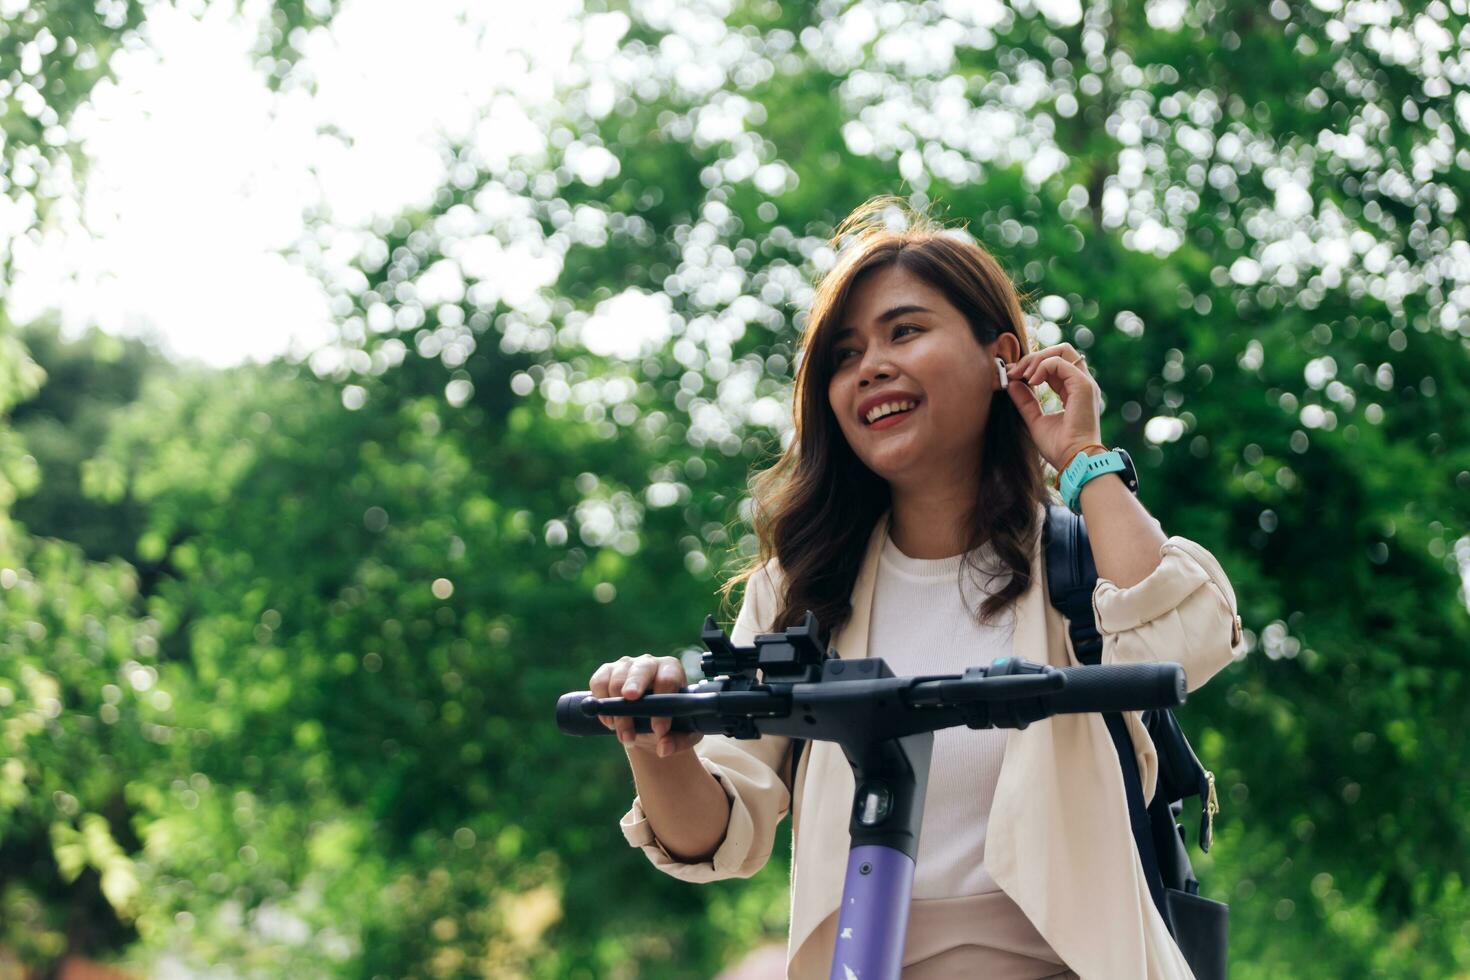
x: 797, y: 744
x: 1071, y: 577
x: 1180, y: 772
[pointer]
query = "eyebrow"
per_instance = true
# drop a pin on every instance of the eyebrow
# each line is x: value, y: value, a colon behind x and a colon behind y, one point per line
x: 897, y: 311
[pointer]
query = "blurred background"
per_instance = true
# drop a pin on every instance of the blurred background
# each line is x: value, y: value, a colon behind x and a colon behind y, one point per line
x: 373, y: 371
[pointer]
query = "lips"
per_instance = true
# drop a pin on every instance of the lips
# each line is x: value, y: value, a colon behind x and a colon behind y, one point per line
x: 884, y: 398
x: 891, y: 419
x: 890, y: 410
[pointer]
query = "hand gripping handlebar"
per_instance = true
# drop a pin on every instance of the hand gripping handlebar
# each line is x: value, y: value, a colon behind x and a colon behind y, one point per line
x: 785, y: 684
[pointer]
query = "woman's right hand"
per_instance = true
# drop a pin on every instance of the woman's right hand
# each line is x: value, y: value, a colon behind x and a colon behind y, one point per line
x: 630, y: 677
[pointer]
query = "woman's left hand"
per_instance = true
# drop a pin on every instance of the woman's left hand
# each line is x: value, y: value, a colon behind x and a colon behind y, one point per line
x: 1058, y: 435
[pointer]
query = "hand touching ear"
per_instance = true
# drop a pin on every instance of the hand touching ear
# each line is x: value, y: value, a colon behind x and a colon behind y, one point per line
x: 1058, y: 435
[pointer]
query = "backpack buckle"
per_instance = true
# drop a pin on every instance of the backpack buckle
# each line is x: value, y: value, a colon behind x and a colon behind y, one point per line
x: 1212, y: 807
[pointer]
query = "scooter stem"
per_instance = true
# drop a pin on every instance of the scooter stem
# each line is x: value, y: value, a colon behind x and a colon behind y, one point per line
x: 891, y: 776
x: 873, y: 925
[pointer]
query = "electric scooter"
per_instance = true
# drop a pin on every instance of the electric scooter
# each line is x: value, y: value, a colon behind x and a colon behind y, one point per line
x: 788, y: 684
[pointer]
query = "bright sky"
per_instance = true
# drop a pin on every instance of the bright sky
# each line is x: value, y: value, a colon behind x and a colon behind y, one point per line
x: 200, y: 175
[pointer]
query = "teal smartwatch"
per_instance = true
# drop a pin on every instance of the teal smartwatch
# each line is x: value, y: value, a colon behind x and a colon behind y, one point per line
x: 1085, y: 467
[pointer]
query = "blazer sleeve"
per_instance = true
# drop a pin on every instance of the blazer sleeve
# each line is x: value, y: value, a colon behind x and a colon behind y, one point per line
x: 748, y: 770
x: 1184, y: 611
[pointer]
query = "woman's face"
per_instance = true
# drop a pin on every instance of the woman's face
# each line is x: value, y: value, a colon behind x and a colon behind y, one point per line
x: 906, y: 339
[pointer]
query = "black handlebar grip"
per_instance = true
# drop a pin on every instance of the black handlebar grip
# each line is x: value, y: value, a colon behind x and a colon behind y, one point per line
x: 1120, y: 687
x: 572, y: 720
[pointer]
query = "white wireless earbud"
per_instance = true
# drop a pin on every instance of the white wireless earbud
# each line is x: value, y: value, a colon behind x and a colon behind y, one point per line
x: 1001, y: 364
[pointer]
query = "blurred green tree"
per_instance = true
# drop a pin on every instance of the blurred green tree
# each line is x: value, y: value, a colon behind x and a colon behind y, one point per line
x: 77, y: 701
x: 65, y: 422
x: 379, y: 568
x: 78, y: 691
x: 1248, y: 215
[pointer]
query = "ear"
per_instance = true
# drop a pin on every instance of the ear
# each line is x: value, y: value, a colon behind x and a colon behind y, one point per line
x: 1006, y: 346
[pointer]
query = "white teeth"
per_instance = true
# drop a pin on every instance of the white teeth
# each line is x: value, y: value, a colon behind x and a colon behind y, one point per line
x: 887, y: 408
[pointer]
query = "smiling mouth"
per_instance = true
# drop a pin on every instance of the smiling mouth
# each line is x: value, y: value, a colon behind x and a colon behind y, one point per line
x: 890, y: 413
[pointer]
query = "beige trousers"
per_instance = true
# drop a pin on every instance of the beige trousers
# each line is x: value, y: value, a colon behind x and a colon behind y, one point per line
x: 977, y: 937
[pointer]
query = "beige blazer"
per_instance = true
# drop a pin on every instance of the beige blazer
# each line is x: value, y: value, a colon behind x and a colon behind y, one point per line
x: 1059, y: 843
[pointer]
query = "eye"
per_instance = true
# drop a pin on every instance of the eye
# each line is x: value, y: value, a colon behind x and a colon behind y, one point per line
x: 839, y: 356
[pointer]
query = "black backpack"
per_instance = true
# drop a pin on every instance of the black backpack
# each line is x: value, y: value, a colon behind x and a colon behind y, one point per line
x: 1199, y: 925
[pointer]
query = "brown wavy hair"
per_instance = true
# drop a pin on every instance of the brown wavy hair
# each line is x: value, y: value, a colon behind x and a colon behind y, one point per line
x: 815, y: 508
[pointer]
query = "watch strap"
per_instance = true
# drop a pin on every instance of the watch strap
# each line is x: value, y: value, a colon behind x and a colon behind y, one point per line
x: 1084, y: 468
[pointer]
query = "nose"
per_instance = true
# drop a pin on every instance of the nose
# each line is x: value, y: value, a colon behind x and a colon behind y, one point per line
x: 868, y: 375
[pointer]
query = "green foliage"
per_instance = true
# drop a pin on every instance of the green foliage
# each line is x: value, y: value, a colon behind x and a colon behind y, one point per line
x: 281, y: 642
x: 61, y: 426
x: 362, y: 593
x: 80, y: 708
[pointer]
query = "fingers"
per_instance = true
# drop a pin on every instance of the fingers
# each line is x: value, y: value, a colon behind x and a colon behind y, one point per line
x: 1046, y: 369
x: 599, y: 686
x: 631, y: 678
x: 1065, y: 379
x: 1025, y: 367
x: 1026, y: 401
x: 640, y: 673
x: 668, y: 679
x: 636, y: 679
x: 1066, y: 350
x: 616, y: 680
x: 1043, y: 368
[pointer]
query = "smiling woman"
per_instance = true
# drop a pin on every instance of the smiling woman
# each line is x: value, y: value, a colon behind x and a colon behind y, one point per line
x: 918, y: 457
x: 914, y: 370
x: 913, y: 318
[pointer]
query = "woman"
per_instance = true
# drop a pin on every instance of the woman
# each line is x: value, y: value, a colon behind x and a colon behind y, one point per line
x: 914, y: 484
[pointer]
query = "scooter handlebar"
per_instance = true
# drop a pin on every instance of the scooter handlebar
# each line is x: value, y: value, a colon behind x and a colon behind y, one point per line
x: 1116, y: 687
x: 573, y: 720
x: 1119, y: 687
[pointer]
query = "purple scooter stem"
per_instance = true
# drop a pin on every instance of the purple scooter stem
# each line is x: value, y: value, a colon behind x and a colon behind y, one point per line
x: 874, y: 923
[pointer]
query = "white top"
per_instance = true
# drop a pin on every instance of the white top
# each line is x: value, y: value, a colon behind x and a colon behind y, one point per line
x: 919, y: 626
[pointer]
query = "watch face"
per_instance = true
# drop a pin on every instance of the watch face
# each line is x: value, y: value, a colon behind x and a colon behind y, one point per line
x: 1129, y: 474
